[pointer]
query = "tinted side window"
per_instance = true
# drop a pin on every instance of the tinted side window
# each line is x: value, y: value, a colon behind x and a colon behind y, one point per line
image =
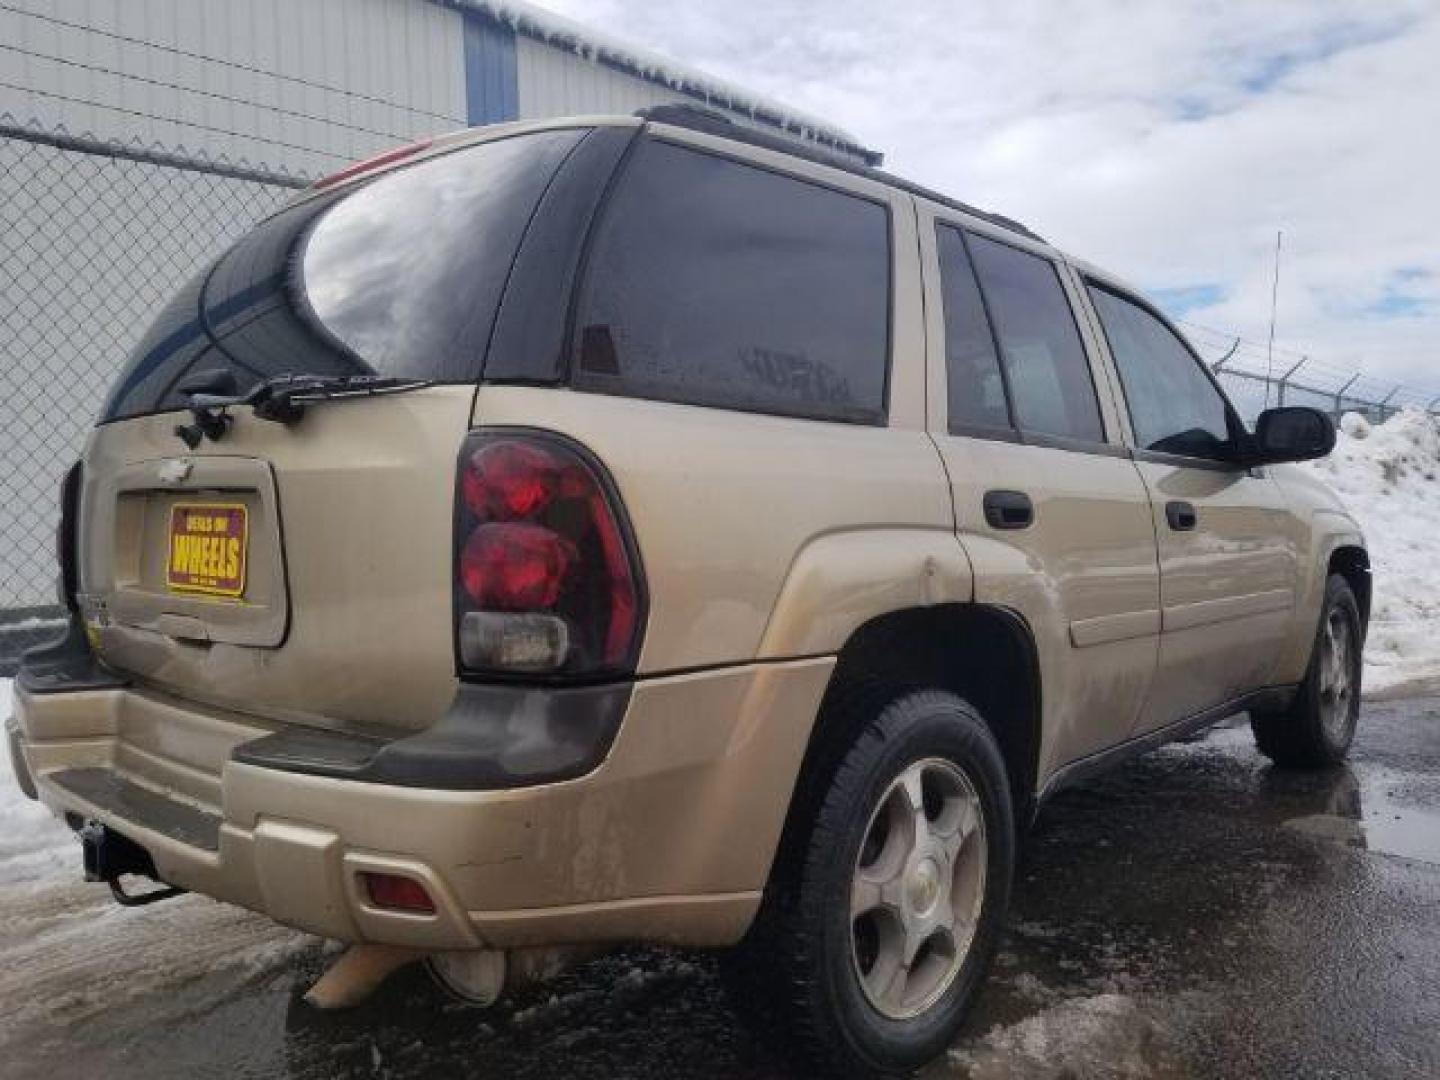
x: 716, y: 283
x: 976, y: 388
x: 1174, y: 407
x: 1044, y: 358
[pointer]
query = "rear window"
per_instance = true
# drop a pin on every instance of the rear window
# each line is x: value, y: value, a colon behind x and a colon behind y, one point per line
x: 398, y: 276
x: 713, y: 282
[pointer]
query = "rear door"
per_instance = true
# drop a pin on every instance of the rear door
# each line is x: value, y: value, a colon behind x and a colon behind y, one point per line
x: 1228, y: 548
x: 1048, y: 504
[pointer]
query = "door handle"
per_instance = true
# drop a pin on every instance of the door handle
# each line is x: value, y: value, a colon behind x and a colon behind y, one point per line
x: 1180, y: 515
x: 1008, y: 509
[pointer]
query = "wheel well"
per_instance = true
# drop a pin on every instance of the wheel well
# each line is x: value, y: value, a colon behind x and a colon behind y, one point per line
x: 1353, y: 564
x: 983, y: 654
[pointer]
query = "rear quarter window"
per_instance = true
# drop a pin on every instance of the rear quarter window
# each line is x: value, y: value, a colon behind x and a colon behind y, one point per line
x: 713, y: 282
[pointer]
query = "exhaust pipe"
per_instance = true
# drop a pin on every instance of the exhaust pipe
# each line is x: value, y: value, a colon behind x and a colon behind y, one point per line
x: 479, y: 976
x: 357, y: 973
x: 474, y: 976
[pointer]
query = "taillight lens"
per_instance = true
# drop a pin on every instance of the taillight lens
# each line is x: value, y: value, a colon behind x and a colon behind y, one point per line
x: 546, y: 577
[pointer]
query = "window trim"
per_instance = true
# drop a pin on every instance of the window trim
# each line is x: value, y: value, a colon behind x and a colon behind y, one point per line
x: 1079, y: 446
x: 1140, y: 453
x: 570, y: 366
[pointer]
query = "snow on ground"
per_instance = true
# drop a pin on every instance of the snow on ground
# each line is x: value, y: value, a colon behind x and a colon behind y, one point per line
x: 1105, y: 1035
x: 33, y: 845
x: 1388, y: 475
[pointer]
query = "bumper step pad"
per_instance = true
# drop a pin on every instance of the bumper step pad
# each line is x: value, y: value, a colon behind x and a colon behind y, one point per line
x: 114, y: 794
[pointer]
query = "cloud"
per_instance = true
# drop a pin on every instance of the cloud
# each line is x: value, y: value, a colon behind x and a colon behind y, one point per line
x: 1166, y: 142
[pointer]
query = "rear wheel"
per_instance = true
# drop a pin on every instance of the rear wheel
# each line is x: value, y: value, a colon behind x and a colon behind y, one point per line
x: 1319, y: 725
x: 878, y: 931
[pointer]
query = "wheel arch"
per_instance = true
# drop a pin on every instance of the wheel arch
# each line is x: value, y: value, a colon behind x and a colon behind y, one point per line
x: 1352, y: 562
x: 985, y: 654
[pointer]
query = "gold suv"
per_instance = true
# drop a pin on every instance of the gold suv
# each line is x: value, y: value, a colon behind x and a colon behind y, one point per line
x: 642, y: 528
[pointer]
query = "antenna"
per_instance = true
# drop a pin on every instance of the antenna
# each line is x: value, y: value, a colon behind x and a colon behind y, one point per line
x: 1270, y: 348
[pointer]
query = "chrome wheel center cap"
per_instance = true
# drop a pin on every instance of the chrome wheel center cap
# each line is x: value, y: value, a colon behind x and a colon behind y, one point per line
x: 923, y: 885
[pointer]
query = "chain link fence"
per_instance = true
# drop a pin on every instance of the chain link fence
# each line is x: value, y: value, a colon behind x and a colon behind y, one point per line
x: 94, y: 237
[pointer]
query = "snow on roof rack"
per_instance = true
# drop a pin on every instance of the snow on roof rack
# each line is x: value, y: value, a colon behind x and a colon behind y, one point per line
x: 700, y: 118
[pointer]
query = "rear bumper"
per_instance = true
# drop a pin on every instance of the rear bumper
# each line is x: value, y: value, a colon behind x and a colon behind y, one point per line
x: 669, y: 838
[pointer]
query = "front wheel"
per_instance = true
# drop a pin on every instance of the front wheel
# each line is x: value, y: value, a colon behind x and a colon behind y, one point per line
x: 1317, y: 729
x: 876, y: 938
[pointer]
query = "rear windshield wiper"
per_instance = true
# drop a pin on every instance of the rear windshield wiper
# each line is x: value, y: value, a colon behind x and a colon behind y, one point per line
x: 281, y: 399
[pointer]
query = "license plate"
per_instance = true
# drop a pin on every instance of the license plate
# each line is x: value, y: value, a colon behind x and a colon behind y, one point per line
x: 208, y: 543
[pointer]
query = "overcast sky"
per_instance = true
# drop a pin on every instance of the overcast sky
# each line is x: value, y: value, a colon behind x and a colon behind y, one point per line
x: 1166, y: 141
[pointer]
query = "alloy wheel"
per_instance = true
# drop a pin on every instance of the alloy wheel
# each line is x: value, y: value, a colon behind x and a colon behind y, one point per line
x: 917, y: 888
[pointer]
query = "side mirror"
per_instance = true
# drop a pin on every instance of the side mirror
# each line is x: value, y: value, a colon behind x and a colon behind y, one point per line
x: 1293, y: 433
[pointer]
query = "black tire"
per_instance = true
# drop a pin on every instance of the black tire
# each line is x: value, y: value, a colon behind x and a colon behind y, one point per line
x: 1316, y: 730
x: 796, y: 971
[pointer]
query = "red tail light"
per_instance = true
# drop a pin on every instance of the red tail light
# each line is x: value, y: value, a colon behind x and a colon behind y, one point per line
x: 546, y: 579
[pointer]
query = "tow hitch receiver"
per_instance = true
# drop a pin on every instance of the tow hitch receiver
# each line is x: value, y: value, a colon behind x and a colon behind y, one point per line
x: 108, y: 855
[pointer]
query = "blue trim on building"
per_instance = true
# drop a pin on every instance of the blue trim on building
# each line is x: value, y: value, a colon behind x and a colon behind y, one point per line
x: 492, y: 87
x: 492, y: 82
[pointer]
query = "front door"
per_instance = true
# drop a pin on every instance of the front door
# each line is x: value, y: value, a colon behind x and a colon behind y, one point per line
x: 1228, y: 555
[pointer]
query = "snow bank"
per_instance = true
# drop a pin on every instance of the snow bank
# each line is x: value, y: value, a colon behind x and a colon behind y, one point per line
x: 1389, y: 477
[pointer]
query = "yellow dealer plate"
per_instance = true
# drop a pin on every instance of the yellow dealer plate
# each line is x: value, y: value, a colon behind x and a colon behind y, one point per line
x: 208, y: 542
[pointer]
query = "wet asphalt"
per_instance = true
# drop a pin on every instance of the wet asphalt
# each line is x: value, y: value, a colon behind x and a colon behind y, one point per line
x: 1194, y: 914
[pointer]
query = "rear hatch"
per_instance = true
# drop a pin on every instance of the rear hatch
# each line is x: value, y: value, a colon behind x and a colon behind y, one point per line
x: 302, y: 571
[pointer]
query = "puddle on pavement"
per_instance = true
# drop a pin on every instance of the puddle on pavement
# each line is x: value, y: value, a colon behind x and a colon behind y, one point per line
x: 1367, y: 811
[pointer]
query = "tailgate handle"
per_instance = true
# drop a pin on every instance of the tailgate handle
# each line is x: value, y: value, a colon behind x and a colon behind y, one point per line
x: 1009, y: 509
x: 1181, y: 515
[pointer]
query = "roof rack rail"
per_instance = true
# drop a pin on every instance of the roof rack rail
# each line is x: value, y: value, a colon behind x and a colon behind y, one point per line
x: 714, y: 122
x: 700, y: 118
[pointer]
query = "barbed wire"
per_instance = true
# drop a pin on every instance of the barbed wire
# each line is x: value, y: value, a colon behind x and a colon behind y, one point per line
x: 213, y: 129
x: 223, y: 62
x: 1245, y: 357
x: 213, y: 95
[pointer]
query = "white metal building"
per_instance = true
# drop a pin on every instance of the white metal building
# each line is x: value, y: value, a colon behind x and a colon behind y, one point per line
x: 306, y: 85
